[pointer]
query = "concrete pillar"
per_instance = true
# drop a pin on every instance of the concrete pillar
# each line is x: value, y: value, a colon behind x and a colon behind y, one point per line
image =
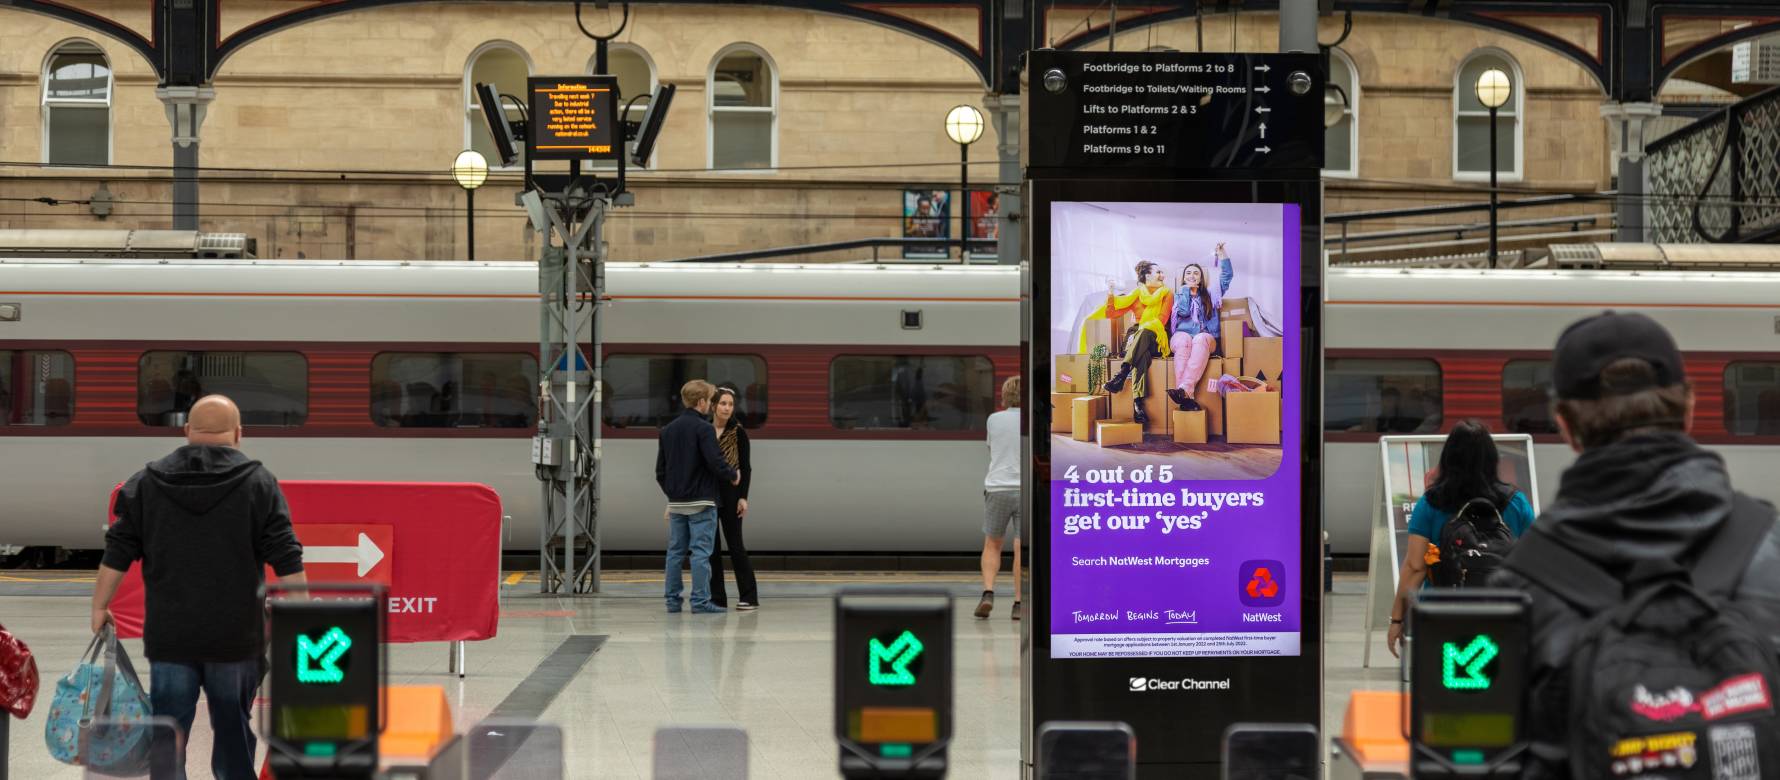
x: 185, y: 113
x: 1626, y: 122
x: 1004, y: 112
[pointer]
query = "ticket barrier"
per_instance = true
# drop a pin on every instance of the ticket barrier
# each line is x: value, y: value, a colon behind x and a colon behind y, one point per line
x: 1086, y: 750
x: 1371, y: 745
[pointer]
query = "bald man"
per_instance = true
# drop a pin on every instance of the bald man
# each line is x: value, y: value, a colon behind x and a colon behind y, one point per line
x: 204, y: 521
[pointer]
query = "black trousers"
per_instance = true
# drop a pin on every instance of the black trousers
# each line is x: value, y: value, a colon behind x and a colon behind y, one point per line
x: 1141, y: 350
x: 731, y: 538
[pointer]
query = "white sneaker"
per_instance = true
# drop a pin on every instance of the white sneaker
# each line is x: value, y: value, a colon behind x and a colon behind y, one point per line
x: 743, y: 606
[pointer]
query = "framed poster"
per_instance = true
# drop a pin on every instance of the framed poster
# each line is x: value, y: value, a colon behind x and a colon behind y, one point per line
x: 985, y: 222
x: 927, y: 214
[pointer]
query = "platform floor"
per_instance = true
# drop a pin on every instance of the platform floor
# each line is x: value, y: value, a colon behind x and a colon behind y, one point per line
x: 767, y: 671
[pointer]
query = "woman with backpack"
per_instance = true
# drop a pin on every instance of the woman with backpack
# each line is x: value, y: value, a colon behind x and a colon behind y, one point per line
x: 1467, y: 486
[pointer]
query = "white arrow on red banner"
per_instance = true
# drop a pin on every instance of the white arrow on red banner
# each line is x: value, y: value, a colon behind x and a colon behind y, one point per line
x: 366, y: 554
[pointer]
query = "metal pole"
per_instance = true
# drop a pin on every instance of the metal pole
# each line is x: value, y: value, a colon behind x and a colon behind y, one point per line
x: 1492, y: 186
x: 964, y: 208
x: 470, y: 223
x: 1297, y: 25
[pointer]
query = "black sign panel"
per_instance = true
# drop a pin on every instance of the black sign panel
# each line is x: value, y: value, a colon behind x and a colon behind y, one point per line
x: 1174, y: 112
x: 573, y: 118
x: 893, y: 682
x: 326, y: 677
x: 1468, y: 677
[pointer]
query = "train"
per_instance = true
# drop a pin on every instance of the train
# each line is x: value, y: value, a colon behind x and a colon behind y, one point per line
x: 864, y: 386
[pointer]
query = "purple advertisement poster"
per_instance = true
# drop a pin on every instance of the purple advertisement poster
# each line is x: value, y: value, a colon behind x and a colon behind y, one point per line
x: 1176, y: 430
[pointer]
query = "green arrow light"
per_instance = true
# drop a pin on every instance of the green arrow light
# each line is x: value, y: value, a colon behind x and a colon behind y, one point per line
x: 890, y: 665
x: 1462, y: 670
x: 318, y: 659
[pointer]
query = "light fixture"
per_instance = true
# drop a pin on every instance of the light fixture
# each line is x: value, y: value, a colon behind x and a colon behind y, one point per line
x: 1493, y: 88
x: 964, y: 125
x: 1335, y: 104
x: 470, y: 169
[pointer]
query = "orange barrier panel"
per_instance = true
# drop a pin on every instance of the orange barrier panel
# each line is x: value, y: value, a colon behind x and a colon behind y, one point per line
x: 418, y: 722
x: 1373, y: 728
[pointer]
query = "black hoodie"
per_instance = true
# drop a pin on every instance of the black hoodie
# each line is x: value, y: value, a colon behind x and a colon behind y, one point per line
x: 1646, y: 497
x: 205, y: 521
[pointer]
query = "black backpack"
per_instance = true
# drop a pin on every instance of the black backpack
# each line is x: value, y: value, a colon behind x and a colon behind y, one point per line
x: 1669, y: 678
x: 1472, y: 546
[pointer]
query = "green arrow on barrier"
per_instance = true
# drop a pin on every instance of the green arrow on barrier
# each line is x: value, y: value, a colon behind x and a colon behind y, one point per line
x: 1472, y: 659
x: 318, y: 660
x: 897, y: 656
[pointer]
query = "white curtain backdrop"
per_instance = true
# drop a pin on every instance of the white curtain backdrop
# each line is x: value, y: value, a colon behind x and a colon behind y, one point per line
x: 1093, y: 242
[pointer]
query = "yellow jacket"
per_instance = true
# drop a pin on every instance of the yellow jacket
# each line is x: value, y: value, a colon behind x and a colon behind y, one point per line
x: 1154, y: 310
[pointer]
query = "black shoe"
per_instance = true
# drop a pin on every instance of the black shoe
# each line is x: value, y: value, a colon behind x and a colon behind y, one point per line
x: 1181, y: 399
x: 1117, y: 383
x: 987, y: 605
x: 1138, y: 415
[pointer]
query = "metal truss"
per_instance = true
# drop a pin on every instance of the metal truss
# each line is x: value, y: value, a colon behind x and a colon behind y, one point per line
x: 1718, y: 180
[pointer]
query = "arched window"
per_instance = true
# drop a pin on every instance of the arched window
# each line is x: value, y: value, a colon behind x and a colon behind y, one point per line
x: 636, y: 78
x: 77, y: 105
x: 506, y: 67
x: 1341, y: 142
x: 743, y: 94
x: 1471, y: 120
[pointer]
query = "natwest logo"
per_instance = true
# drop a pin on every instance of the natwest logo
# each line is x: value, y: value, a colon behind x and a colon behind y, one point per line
x: 1184, y: 684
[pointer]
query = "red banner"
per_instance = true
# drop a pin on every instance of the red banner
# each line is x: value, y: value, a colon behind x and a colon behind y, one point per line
x: 436, y: 546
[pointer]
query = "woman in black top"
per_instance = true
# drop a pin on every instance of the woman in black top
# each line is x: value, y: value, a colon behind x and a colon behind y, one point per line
x: 732, y: 506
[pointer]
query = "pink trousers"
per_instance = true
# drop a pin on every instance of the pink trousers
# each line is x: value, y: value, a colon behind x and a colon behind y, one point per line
x: 1191, y: 353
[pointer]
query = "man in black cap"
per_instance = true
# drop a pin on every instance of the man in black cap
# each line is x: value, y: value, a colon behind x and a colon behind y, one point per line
x: 1642, y: 504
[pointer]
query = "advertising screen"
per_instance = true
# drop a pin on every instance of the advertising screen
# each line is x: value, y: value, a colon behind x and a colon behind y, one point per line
x: 1175, y: 436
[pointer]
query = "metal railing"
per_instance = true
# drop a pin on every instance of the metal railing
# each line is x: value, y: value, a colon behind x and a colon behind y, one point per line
x: 984, y: 247
x: 1456, y: 241
x: 1718, y: 179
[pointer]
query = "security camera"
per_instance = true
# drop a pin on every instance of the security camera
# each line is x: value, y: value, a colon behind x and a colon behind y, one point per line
x: 1055, y: 81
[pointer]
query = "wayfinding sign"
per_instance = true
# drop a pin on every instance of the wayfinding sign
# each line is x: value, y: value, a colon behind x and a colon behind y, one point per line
x: 1175, y: 459
x: 1175, y: 111
x: 893, y: 682
x: 574, y: 118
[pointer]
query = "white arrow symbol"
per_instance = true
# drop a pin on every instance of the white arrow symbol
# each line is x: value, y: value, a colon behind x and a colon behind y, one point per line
x: 1263, y: 129
x: 366, y: 554
x: 1263, y: 89
x: 1262, y: 109
x: 1261, y: 149
x: 1263, y: 68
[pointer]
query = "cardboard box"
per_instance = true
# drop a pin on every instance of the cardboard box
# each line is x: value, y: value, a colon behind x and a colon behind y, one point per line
x: 1233, y: 366
x: 1156, y: 405
x: 1252, y: 418
x: 1072, y: 373
x: 1188, y: 427
x: 1084, y: 412
x: 1232, y: 315
x: 1060, y: 411
x: 1206, y: 393
x: 1110, y: 333
x: 1264, y: 356
x: 1113, y: 434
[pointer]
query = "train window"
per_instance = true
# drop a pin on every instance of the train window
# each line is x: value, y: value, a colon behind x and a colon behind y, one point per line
x: 1366, y: 395
x: 36, y: 388
x: 916, y: 392
x: 270, y: 388
x: 1526, y: 397
x: 643, y: 391
x: 1752, y: 399
x: 454, y: 390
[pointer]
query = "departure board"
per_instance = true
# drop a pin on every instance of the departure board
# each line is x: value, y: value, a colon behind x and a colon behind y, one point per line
x: 574, y: 118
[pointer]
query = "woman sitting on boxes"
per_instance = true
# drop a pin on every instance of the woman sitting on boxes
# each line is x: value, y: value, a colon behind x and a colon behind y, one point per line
x: 1148, y: 338
x: 1196, y: 332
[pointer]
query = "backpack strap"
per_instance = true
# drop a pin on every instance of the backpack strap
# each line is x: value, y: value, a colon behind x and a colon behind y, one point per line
x: 1722, y: 562
x: 1546, y: 562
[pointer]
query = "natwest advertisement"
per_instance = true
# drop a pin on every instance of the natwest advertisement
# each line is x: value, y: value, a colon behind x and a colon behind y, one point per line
x: 1176, y: 431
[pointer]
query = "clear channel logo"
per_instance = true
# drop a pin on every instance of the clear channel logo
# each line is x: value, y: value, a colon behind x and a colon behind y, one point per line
x: 1144, y: 684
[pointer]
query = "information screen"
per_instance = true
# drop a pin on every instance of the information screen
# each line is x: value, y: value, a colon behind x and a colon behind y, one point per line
x: 1179, y: 536
x: 574, y: 118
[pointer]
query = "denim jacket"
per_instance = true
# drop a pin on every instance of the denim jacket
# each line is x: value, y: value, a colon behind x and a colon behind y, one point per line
x: 1187, y: 317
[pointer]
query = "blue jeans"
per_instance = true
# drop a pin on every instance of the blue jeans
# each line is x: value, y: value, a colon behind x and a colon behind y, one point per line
x: 229, y: 688
x: 699, y: 532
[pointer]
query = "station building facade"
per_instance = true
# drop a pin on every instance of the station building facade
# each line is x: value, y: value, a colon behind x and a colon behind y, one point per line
x: 333, y: 139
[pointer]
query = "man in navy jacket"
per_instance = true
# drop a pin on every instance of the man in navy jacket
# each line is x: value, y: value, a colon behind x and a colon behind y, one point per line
x: 688, y: 465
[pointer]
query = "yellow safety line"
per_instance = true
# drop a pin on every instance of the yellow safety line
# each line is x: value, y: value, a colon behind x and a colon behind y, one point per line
x: 515, y: 578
